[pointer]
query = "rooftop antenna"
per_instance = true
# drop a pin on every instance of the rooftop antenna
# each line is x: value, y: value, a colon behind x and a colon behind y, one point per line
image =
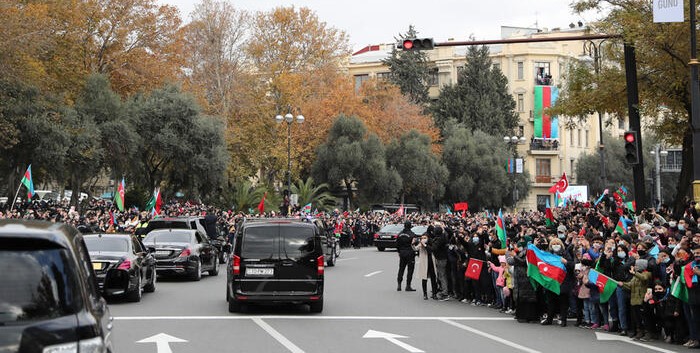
x: 537, y: 23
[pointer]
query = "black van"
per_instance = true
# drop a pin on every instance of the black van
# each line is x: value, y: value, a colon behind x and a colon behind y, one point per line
x: 49, y: 297
x: 276, y: 261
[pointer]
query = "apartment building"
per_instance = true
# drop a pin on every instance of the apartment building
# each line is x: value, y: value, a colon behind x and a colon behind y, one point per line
x: 534, y: 71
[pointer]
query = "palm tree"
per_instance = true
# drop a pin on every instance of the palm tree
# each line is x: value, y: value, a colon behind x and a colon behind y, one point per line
x: 318, y: 196
x: 246, y: 197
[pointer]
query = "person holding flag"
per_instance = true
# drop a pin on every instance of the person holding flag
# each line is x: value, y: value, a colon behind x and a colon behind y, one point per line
x: 557, y: 303
x: 617, y: 264
x: 523, y: 291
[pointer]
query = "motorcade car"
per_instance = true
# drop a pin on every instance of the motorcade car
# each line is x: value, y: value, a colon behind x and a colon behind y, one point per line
x: 419, y: 230
x: 330, y: 243
x: 123, y: 266
x: 195, y: 223
x: 386, y: 236
x: 183, y: 252
x: 49, y: 298
x: 276, y: 261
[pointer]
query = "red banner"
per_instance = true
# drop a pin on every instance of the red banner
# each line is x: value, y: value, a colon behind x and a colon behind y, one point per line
x: 474, y: 269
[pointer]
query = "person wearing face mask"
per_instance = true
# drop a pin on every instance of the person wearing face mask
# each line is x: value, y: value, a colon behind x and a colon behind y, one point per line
x: 559, y: 303
x: 596, y: 247
x: 692, y: 308
x: 664, y: 268
x: 637, y: 286
x: 523, y: 293
x: 617, y: 264
x: 643, y: 252
x: 475, y: 246
x: 426, y: 269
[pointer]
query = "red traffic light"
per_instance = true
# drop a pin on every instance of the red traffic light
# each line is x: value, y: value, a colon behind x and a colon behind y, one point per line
x: 408, y: 44
x: 629, y: 137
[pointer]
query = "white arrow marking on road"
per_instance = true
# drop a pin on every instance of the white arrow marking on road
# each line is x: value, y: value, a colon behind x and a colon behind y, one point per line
x: 608, y: 337
x: 373, y: 273
x: 162, y: 341
x: 393, y: 338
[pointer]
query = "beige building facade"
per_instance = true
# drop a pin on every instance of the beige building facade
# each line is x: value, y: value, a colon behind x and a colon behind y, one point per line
x: 525, y: 65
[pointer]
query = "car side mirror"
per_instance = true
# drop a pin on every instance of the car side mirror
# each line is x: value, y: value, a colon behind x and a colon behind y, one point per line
x: 151, y: 250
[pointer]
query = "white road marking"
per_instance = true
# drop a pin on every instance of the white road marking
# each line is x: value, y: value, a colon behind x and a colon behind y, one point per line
x: 600, y: 336
x: 278, y: 336
x: 347, y: 258
x: 162, y: 341
x: 292, y: 317
x: 490, y: 336
x: 373, y: 273
x: 393, y: 338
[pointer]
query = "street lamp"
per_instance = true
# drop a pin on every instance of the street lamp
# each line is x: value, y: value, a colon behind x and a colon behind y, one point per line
x: 592, y: 49
x: 658, y: 153
x: 514, y: 141
x: 289, y: 119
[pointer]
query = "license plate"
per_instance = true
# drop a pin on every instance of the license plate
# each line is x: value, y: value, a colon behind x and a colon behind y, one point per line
x: 163, y: 252
x: 259, y: 271
x: 386, y: 236
x: 96, y: 265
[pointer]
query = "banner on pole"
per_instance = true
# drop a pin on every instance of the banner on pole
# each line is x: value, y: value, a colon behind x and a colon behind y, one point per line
x: 668, y: 11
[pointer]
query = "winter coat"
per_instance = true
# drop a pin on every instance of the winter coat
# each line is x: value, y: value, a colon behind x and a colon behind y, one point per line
x: 619, y: 269
x: 638, y: 287
x: 438, y: 247
x: 522, y: 288
x: 423, y: 261
x: 500, y: 280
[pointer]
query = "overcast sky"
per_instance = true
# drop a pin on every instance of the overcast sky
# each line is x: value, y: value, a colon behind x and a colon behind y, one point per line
x: 379, y: 21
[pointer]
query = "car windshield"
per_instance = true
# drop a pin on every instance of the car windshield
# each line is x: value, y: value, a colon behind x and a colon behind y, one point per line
x: 391, y: 228
x: 38, y: 283
x: 164, y: 224
x: 95, y: 244
x: 168, y: 237
x: 260, y: 242
x: 297, y: 242
x: 419, y: 230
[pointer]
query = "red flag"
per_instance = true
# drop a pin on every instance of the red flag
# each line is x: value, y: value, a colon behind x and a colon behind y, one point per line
x: 464, y: 213
x: 560, y: 186
x: 261, y: 205
x: 111, y: 218
x: 461, y: 206
x: 399, y: 212
x: 474, y: 269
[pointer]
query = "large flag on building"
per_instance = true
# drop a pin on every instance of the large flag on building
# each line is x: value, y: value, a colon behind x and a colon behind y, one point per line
x: 606, y: 286
x: 119, y: 197
x: 545, y: 268
x: 501, y: 229
x: 546, y: 127
x: 473, y: 270
x: 28, y: 182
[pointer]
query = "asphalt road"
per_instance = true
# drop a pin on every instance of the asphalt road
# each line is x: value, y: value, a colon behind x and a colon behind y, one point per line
x: 363, y: 312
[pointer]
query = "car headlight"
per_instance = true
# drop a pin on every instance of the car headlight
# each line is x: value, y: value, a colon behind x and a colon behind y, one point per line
x: 92, y: 345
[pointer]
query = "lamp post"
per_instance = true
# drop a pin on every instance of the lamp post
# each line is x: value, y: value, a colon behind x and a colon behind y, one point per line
x: 658, y: 153
x: 514, y: 141
x: 593, y: 50
x: 289, y: 118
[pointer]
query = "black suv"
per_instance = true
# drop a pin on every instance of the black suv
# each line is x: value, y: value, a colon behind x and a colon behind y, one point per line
x: 276, y: 261
x: 49, y: 298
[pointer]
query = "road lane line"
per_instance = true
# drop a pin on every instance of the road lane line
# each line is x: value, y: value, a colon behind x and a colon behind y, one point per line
x: 490, y: 336
x: 346, y: 259
x: 278, y: 336
x: 373, y: 273
x: 298, y: 317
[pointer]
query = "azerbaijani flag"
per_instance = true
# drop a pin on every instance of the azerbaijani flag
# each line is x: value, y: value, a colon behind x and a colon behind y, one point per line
x: 546, y: 127
x: 119, y: 197
x: 682, y: 283
x: 621, y: 226
x: 307, y: 208
x: 155, y: 202
x: 545, y: 268
x: 548, y: 215
x: 606, y: 286
x: 632, y: 206
x: 28, y: 182
x: 501, y: 229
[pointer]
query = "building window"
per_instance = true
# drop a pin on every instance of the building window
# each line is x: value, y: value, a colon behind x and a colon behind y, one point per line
x: 586, y: 140
x: 621, y: 124
x: 359, y: 80
x: 521, y: 102
x: 542, y: 74
x: 521, y: 70
x: 433, y: 75
x: 543, y: 171
x: 383, y: 75
x: 572, y: 168
x: 521, y: 130
x: 571, y: 137
x: 579, y: 137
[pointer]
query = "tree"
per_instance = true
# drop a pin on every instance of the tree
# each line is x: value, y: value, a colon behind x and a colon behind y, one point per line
x: 378, y: 182
x: 420, y: 169
x: 310, y: 193
x: 485, y: 186
x: 480, y: 99
x: 662, y: 64
x: 409, y: 70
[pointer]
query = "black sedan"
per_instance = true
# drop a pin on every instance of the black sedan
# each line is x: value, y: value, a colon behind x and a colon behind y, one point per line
x: 386, y: 237
x: 122, y: 264
x: 183, y: 252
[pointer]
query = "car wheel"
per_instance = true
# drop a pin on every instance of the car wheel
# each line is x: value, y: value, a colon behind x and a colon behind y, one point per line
x: 316, y: 307
x: 223, y: 257
x: 135, y: 295
x: 215, y: 270
x: 380, y: 248
x: 331, y: 259
x: 151, y: 286
x: 197, y: 274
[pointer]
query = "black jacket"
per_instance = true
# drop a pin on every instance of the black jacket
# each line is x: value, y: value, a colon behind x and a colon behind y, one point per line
x: 439, y: 247
x: 404, y: 243
x: 619, y: 269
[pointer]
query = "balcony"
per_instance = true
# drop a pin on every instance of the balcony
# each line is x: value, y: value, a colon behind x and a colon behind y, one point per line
x: 543, y: 179
x: 545, y: 80
x: 544, y: 147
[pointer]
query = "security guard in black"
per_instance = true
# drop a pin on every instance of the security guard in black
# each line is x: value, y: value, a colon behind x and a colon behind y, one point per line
x: 407, y: 255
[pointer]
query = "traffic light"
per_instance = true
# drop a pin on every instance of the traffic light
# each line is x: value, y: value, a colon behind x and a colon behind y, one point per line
x: 417, y: 44
x: 631, y: 147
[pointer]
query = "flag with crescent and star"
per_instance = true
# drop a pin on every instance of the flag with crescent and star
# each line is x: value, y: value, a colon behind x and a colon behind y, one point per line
x: 545, y: 268
x: 474, y: 269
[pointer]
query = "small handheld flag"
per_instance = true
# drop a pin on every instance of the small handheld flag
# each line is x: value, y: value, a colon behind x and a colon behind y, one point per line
x: 28, y: 182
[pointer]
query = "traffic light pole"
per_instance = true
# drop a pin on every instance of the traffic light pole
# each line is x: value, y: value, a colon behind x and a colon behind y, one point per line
x: 635, y: 124
x: 694, y: 101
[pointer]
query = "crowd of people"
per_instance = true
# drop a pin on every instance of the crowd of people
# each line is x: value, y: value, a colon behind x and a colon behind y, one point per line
x: 644, y: 259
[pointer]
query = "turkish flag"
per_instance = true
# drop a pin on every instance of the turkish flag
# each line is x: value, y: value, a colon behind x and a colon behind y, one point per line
x: 461, y: 206
x: 474, y: 269
x: 560, y: 186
